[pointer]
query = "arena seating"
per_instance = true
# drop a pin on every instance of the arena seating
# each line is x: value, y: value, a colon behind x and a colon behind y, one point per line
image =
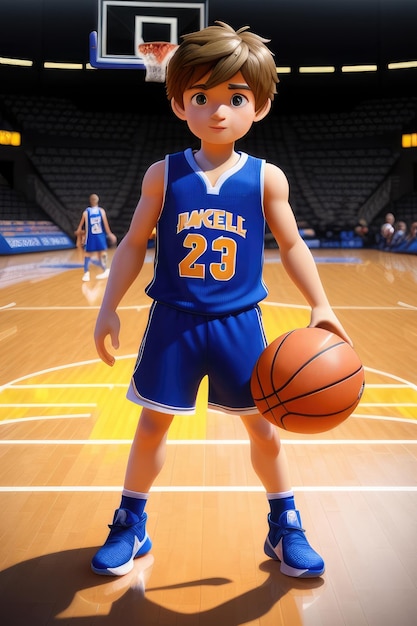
x: 334, y: 161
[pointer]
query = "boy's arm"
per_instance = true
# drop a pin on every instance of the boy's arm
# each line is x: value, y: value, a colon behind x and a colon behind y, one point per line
x: 128, y: 259
x: 295, y: 254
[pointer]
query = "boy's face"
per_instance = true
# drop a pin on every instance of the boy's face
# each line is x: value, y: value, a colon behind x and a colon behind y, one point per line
x: 222, y: 114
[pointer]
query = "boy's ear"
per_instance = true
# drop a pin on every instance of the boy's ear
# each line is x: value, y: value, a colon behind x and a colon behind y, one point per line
x: 178, y: 110
x: 263, y: 111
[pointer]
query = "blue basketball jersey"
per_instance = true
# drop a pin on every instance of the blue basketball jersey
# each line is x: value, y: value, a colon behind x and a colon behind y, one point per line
x: 94, y: 230
x: 210, y: 240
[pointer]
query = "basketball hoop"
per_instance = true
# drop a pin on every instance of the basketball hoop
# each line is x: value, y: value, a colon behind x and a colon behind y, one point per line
x: 156, y: 55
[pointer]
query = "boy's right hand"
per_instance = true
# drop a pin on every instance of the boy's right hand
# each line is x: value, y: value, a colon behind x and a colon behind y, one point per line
x: 107, y: 324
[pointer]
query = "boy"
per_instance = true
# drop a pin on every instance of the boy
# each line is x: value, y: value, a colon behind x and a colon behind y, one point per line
x: 209, y: 208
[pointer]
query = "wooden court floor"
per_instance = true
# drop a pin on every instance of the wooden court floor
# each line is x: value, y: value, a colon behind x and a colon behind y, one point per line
x: 65, y: 431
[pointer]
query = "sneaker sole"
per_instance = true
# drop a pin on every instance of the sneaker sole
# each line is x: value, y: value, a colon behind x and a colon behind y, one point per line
x: 276, y: 554
x: 127, y: 567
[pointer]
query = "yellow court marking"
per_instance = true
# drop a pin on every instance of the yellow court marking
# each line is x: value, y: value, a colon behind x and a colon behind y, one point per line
x: 192, y: 426
x: 100, y: 391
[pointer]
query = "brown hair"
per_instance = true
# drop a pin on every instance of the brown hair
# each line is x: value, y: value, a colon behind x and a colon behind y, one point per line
x: 222, y: 51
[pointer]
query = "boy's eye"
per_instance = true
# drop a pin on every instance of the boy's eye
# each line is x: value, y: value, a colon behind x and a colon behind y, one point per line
x: 199, y: 99
x: 238, y: 100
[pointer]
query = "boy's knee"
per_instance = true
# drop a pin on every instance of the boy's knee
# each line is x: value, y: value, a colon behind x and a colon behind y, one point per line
x: 263, y: 433
x: 153, y: 425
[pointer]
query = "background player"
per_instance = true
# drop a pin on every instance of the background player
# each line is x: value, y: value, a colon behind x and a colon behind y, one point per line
x: 209, y: 208
x: 94, y: 229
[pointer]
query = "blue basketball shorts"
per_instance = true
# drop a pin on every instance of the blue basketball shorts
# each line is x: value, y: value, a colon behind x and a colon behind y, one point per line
x: 180, y: 348
x: 96, y: 242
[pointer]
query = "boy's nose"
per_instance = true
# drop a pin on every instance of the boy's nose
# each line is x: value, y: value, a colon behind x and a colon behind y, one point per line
x: 219, y: 112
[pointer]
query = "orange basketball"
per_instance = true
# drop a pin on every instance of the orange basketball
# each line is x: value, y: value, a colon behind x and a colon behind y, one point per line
x: 307, y: 381
x: 111, y: 240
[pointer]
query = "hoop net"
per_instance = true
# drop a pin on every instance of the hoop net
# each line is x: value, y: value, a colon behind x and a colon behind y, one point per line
x: 156, y: 55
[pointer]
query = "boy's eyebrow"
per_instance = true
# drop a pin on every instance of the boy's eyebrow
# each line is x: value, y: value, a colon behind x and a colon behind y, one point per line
x: 230, y: 86
x: 239, y: 86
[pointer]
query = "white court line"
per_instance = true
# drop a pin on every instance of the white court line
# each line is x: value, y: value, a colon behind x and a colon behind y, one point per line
x: 125, y: 385
x: 403, y: 404
x: 37, y: 418
x: 7, y: 306
x: 59, y: 368
x: 407, y: 306
x: 134, y: 356
x: 387, y: 386
x: 393, y: 376
x: 341, y: 307
x: 37, y: 405
x: 132, y: 307
x: 208, y: 489
x: 72, y: 386
x: 19, y: 420
x: 384, y: 418
x: 206, y: 442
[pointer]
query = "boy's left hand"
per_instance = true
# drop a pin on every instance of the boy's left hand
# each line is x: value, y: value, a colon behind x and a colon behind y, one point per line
x: 326, y: 319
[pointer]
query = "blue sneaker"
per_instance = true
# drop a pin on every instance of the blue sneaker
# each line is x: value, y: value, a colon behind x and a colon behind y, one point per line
x: 127, y: 540
x: 286, y: 542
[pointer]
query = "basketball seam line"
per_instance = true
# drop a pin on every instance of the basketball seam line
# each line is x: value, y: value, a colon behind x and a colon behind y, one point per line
x: 310, y: 360
x: 303, y: 395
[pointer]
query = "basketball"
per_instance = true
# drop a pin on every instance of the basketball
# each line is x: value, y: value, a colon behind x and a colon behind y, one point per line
x: 111, y: 240
x: 307, y: 381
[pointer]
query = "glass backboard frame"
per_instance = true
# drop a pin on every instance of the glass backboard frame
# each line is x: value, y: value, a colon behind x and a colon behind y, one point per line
x: 167, y: 14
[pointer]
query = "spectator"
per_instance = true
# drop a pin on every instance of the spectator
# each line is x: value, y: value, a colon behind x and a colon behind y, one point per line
x: 362, y: 230
x: 387, y: 231
x: 410, y: 242
x: 399, y: 235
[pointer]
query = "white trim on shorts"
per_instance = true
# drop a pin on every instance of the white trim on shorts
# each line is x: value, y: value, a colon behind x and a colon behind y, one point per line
x: 134, y: 396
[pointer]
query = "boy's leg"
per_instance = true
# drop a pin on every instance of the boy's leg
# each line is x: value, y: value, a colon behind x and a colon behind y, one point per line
x: 286, y: 540
x: 128, y: 538
x: 148, y: 450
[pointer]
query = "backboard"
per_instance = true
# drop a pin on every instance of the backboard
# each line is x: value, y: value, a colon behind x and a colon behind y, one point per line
x: 124, y: 24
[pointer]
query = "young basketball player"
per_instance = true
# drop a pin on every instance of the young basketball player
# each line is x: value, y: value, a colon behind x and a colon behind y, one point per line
x: 209, y: 208
x: 94, y: 226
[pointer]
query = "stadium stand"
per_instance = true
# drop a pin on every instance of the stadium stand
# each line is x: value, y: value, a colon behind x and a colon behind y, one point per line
x: 341, y: 165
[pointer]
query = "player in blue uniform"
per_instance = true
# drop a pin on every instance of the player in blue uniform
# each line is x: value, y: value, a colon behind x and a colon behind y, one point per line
x: 94, y: 226
x: 209, y: 208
